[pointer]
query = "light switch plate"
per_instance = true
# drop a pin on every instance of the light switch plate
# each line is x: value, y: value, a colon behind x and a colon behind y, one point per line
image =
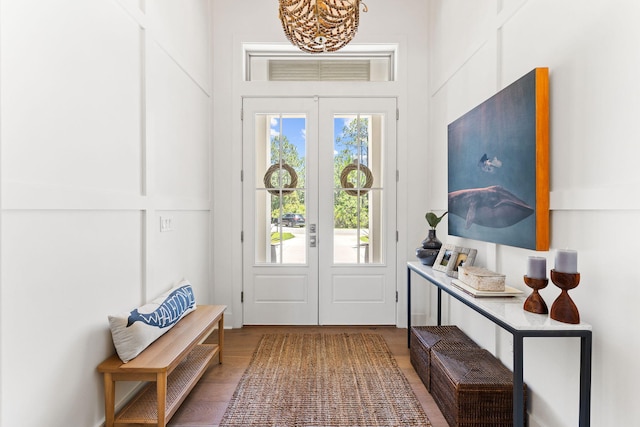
x: 166, y: 223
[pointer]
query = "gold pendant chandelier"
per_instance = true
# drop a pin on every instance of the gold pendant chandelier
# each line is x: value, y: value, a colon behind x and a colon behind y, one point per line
x: 317, y: 26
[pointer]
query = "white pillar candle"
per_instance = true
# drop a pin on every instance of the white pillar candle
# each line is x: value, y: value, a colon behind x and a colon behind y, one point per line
x: 566, y: 261
x: 537, y: 267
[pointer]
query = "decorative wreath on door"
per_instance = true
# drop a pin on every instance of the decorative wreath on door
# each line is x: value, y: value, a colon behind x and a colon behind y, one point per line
x: 288, y: 188
x: 344, y: 178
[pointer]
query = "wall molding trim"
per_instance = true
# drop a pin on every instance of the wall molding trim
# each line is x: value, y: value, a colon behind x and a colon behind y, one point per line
x: 600, y: 199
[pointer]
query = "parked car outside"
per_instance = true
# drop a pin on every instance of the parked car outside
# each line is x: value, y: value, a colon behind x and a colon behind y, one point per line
x: 293, y: 220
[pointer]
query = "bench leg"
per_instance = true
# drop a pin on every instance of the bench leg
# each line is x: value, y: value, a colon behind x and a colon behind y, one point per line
x: 161, y: 390
x: 109, y: 400
x: 220, y: 337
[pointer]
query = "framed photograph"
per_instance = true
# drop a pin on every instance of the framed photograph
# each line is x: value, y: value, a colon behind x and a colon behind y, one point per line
x: 498, y: 174
x: 451, y: 257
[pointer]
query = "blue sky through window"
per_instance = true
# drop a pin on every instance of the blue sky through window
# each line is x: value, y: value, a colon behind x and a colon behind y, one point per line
x: 294, y: 129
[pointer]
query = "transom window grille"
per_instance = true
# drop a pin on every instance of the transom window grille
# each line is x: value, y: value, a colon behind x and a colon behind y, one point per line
x: 364, y: 66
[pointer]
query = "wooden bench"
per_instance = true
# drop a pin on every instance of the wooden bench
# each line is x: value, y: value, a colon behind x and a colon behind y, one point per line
x: 174, y: 362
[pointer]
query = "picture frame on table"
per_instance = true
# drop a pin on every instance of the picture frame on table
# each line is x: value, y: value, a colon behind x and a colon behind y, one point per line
x: 451, y: 257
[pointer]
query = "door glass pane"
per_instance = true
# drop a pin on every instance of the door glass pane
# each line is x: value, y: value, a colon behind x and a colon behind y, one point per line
x: 357, y: 204
x: 281, y: 236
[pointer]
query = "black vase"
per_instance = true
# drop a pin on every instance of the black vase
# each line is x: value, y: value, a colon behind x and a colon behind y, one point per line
x: 428, y: 253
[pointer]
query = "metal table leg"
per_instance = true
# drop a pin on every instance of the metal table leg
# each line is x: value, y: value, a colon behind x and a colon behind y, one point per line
x: 518, y: 381
x: 585, y: 380
x: 408, y: 307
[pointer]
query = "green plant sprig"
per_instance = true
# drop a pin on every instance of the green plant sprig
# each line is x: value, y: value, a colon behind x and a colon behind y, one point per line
x: 434, y: 219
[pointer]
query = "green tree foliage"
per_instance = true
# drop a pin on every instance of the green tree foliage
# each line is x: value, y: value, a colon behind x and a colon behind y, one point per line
x: 354, y: 139
x: 352, y: 145
x: 283, y: 150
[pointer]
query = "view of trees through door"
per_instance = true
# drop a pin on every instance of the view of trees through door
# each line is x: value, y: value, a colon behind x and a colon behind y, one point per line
x: 350, y: 177
x: 319, y: 210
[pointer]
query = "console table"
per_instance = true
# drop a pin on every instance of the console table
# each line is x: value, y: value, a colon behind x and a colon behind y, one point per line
x: 507, y: 312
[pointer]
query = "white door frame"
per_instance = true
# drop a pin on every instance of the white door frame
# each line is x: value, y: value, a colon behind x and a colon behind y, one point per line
x: 302, y: 280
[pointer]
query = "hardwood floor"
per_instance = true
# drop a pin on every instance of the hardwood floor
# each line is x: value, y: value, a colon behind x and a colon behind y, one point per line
x: 206, y: 404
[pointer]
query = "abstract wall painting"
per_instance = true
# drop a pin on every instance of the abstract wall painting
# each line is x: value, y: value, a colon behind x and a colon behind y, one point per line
x: 498, y: 158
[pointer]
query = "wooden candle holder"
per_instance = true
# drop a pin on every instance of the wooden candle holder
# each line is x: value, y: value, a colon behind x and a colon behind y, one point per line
x: 563, y: 308
x: 534, y: 303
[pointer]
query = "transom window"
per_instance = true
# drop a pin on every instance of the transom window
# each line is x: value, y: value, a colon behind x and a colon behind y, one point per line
x: 366, y: 64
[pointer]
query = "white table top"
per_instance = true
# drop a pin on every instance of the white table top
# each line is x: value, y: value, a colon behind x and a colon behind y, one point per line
x: 508, y: 310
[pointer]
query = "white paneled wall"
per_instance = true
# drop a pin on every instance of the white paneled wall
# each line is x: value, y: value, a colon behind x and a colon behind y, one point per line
x: 480, y: 47
x: 71, y: 75
x: 62, y: 272
x: 105, y: 126
x: 179, y: 123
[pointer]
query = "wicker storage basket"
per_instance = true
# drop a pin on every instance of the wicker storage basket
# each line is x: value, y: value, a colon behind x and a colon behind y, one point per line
x: 472, y: 388
x: 426, y: 338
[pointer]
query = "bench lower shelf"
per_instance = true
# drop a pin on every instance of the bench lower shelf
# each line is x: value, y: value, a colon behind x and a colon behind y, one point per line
x: 143, y: 408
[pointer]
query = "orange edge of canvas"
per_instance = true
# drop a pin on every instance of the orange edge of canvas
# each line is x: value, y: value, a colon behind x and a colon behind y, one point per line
x: 542, y: 159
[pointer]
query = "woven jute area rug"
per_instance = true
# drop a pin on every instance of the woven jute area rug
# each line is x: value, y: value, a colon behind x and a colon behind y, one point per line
x: 323, y: 380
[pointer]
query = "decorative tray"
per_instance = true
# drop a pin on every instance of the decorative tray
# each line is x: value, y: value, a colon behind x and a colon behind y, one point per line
x: 508, y: 291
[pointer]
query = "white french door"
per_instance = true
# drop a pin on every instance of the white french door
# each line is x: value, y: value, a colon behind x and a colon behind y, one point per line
x: 319, y: 221
x: 280, y: 269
